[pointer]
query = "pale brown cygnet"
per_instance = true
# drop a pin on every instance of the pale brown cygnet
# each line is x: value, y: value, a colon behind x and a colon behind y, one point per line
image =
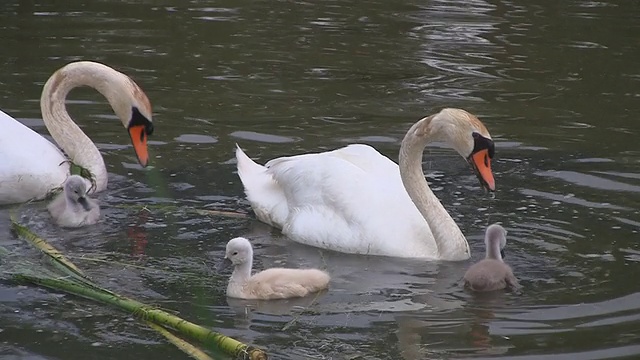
x: 491, y: 273
x: 73, y: 208
x: 275, y: 283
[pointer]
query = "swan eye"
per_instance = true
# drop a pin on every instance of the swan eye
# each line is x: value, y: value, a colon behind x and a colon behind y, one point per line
x: 235, y: 253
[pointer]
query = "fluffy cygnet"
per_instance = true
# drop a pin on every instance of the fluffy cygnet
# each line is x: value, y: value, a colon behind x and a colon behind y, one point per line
x: 275, y: 283
x: 491, y: 273
x: 73, y: 208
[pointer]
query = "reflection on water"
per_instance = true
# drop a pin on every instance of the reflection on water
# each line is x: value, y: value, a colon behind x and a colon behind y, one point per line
x: 555, y: 83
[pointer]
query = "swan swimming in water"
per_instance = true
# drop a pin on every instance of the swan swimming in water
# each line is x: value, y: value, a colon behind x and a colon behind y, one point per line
x: 274, y: 283
x: 356, y: 200
x: 32, y: 167
x: 73, y: 208
x: 491, y: 273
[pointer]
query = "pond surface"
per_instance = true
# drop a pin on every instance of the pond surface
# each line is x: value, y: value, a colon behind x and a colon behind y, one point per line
x: 556, y: 83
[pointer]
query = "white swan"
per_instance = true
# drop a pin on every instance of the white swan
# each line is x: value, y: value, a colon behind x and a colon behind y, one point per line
x: 353, y: 199
x: 274, y: 283
x: 73, y: 208
x: 491, y: 273
x: 31, y: 166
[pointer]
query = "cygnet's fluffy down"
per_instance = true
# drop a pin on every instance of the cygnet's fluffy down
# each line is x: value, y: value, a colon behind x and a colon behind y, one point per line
x: 491, y: 273
x: 275, y: 283
x: 73, y: 208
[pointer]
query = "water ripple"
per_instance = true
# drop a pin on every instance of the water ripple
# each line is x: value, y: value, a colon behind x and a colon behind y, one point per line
x: 591, y: 181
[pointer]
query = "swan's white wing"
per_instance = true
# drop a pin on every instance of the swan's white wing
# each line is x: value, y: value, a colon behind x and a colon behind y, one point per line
x: 30, y: 165
x: 349, y: 200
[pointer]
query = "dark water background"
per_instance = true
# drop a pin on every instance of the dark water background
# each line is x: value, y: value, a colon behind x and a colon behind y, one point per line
x: 556, y: 83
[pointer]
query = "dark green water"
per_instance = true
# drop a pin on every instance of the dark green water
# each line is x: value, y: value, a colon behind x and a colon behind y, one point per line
x: 556, y: 83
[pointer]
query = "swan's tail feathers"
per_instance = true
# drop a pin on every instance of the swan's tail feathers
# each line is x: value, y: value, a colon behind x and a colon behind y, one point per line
x: 264, y: 194
x: 247, y: 168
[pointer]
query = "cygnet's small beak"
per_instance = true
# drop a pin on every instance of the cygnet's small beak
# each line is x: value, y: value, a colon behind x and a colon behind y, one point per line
x: 224, y: 264
x: 502, y: 253
x: 481, y: 164
x: 85, y: 204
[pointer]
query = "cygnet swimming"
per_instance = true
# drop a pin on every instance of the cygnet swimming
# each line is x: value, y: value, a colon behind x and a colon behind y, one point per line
x: 73, y: 208
x: 491, y: 273
x: 275, y: 283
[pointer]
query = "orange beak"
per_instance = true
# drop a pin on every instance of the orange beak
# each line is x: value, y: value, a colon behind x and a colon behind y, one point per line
x: 139, y: 141
x: 481, y: 164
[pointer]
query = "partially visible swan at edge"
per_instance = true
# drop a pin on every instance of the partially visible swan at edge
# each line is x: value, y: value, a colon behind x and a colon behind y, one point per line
x: 491, y: 273
x: 73, y: 208
x: 355, y: 200
x: 31, y: 166
x: 274, y: 283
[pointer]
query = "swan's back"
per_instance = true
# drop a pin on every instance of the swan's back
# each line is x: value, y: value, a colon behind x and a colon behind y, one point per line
x: 30, y: 163
x: 489, y: 275
x: 333, y: 199
x: 280, y: 283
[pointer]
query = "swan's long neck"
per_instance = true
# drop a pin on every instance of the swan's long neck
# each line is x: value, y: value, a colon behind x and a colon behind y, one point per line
x: 451, y: 243
x: 70, y: 138
x: 241, y: 273
x: 493, y: 250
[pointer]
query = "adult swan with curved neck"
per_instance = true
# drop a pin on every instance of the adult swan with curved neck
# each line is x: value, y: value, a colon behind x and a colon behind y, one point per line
x: 356, y: 200
x: 31, y: 166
